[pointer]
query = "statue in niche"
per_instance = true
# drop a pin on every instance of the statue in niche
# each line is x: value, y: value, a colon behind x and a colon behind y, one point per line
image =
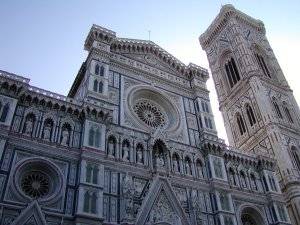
x: 188, y: 167
x: 29, y: 126
x: 47, y: 131
x: 218, y: 168
x: 128, y: 192
x: 125, y: 152
x: 159, y: 158
x: 199, y: 169
x: 175, y: 165
x: 65, y: 137
x: 139, y: 154
x: 111, y: 147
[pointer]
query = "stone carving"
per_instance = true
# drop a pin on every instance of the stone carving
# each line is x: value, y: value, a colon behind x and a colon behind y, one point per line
x: 162, y: 212
x: 128, y: 192
x: 196, y: 207
x: 159, y: 159
x: 47, y: 131
x: 65, y: 137
x: 125, y: 151
x: 29, y: 126
x: 139, y: 154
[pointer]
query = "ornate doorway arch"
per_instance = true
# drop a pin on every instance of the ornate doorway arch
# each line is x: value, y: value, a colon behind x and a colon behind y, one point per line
x: 251, y: 215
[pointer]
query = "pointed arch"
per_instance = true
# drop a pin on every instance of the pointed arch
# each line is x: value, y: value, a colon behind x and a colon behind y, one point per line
x: 158, y: 186
x: 91, y: 136
x: 241, y: 124
x: 102, y: 70
x: 250, y: 114
x: 4, y: 112
x: 276, y: 107
x: 287, y: 112
x: 100, y: 89
x: 295, y: 153
x: 97, y: 69
x: 33, y: 209
x: 95, y: 86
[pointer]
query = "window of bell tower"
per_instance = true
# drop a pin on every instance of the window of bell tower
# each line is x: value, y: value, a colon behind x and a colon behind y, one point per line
x: 232, y: 72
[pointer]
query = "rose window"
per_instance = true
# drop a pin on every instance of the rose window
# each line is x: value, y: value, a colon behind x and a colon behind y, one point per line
x: 150, y: 113
x: 35, y: 184
x: 38, y: 178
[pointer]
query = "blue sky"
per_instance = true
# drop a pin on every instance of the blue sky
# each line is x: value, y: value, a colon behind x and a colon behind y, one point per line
x: 43, y: 40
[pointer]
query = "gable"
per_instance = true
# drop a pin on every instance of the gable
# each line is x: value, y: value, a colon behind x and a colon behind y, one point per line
x: 161, y: 206
x: 31, y: 215
x: 153, y: 61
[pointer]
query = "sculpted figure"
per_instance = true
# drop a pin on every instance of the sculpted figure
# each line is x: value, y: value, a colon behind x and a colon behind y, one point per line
x: 47, y: 132
x: 29, y: 126
x: 188, y: 168
x: 111, y: 147
x: 159, y: 160
x: 125, y: 152
x: 139, y: 155
x: 65, y: 137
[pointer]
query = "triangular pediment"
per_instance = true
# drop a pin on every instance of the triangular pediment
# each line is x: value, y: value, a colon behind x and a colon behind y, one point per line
x: 153, y: 61
x: 31, y: 215
x: 161, y: 206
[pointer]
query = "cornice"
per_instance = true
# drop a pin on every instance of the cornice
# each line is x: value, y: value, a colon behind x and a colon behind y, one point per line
x: 226, y: 13
x: 126, y: 45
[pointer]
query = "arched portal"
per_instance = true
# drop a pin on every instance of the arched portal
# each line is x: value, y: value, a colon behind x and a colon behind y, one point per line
x: 250, y: 216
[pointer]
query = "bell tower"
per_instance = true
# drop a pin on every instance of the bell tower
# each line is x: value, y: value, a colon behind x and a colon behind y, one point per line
x: 260, y: 112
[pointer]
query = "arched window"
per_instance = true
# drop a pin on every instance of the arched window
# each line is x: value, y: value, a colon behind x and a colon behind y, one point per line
x: 232, y: 72
x: 94, y: 203
x: 97, y: 69
x: 126, y: 150
x: 176, y: 163
x: 232, y: 178
x: 95, y: 175
x: 4, y: 112
x: 102, y: 71
x: 111, y: 146
x: 188, y: 166
x: 139, y: 153
x: 288, y: 114
x: 240, y: 123
x: 100, y: 87
x: 199, y: 167
x: 250, y: 115
x: 95, y: 87
x: 262, y: 65
x: 296, y: 156
x: 91, y: 136
x: 89, y: 171
x: 272, y: 183
x: 277, y: 109
x: 86, y: 202
x: 97, y: 138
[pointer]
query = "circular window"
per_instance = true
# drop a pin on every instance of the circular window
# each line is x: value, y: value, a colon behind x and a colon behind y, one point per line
x: 152, y: 109
x: 37, y: 178
x: 35, y: 184
x: 150, y: 113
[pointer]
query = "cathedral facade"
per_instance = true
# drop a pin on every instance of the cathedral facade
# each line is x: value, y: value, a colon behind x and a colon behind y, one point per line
x: 134, y: 142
